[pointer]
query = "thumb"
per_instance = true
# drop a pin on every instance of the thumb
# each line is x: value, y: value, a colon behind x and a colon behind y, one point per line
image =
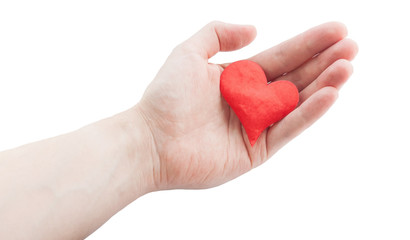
x: 219, y: 36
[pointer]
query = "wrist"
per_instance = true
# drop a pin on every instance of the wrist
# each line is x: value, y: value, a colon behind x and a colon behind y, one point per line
x: 137, y: 143
x: 83, y: 177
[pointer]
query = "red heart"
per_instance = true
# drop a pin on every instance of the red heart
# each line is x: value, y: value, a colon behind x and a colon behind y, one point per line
x: 257, y: 103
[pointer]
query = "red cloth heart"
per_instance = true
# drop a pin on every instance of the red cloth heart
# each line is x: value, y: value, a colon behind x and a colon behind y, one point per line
x: 257, y: 103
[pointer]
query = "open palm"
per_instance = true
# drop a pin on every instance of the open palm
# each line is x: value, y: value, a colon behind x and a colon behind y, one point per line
x: 198, y: 141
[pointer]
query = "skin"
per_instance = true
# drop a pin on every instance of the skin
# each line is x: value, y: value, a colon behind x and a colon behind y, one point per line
x: 182, y: 134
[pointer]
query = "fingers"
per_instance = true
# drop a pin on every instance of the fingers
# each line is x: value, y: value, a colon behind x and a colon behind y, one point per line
x: 300, y: 119
x: 219, y: 36
x: 294, y: 52
x: 334, y: 76
x: 309, y: 71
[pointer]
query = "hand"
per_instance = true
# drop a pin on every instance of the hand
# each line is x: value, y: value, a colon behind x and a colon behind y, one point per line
x: 196, y: 138
x: 182, y: 134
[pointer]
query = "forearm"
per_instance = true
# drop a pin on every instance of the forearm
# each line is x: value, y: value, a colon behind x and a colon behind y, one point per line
x: 66, y: 187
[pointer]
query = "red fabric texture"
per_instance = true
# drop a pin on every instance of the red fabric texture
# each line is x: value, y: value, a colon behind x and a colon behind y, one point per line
x: 257, y: 103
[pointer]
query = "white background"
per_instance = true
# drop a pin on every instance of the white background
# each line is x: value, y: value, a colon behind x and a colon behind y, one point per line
x: 64, y: 64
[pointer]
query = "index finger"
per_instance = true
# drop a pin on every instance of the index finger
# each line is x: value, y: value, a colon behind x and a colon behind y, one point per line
x: 292, y: 53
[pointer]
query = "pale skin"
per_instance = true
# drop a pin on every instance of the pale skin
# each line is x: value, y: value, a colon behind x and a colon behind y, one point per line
x: 182, y: 134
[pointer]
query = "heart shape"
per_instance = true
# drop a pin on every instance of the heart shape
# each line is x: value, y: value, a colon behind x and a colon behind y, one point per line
x: 257, y: 103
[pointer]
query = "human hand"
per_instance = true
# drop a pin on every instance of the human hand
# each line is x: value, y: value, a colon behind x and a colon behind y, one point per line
x: 197, y: 140
x: 182, y: 134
